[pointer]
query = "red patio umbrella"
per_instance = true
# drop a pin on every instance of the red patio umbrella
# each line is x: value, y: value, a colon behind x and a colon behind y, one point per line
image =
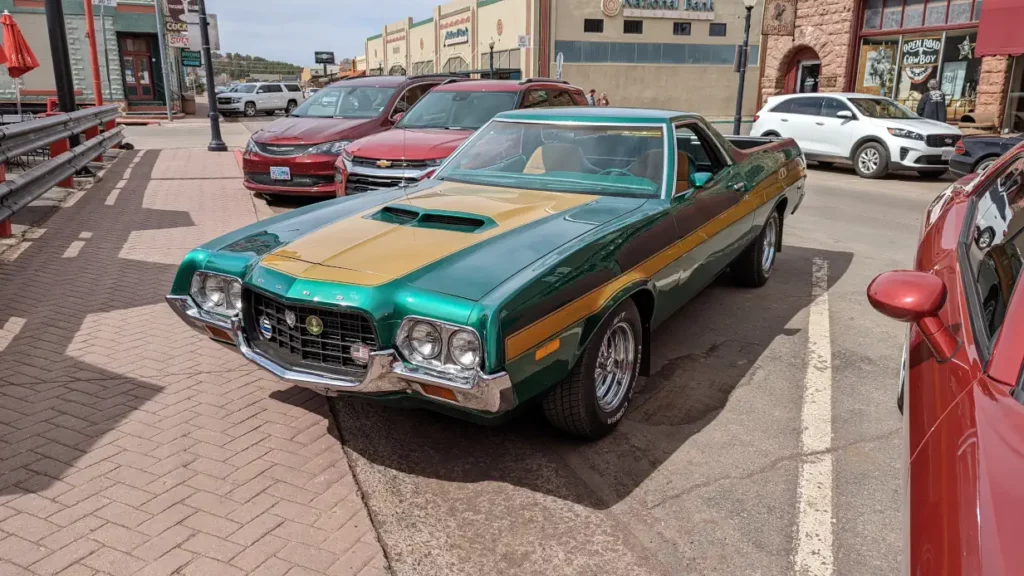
x: 17, y: 53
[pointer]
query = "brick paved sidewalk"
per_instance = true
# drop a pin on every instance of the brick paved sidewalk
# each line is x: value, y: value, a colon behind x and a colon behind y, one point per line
x: 128, y: 443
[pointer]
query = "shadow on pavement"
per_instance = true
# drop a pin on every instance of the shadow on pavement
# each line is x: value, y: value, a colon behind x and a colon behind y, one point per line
x: 700, y: 355
x: 57, y: 408
x: 910, y: 176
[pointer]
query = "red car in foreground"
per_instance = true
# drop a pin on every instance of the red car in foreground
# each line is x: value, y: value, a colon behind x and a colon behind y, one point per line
x: 436, y: 126
x: 962, y: 384
x: 296, y: 155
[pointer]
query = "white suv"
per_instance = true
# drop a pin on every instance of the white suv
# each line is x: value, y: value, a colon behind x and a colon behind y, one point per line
x: 876, y: 134
x: 266, y: 97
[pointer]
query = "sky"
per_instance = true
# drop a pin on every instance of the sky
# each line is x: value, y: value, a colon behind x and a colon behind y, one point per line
x: 291, y: 30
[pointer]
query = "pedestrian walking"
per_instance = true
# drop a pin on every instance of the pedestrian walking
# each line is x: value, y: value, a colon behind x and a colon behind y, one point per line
x: 603, y: 100
x: 933, y: 103
x: 591, y: 101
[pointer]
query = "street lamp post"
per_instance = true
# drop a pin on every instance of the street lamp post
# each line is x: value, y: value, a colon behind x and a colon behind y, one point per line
x: 216, y: 141
x: 749, y: 5
x: 492, y: 59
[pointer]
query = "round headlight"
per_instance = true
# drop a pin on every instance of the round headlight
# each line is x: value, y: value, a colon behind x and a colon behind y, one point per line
x: 235, y: 296
x: 425, y: 340
x: 215, y: 287
x: 465, y: 349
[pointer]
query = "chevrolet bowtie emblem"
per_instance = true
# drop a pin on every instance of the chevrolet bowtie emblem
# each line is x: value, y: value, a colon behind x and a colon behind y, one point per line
x: 384, y: 164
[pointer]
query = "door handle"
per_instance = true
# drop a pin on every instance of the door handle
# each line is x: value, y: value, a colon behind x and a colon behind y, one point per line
x: 784, y: 119
x: 739, y: 186
x: 820, y: 123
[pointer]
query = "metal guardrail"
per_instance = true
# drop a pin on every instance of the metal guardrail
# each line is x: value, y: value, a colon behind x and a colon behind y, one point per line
x: 21, y: 138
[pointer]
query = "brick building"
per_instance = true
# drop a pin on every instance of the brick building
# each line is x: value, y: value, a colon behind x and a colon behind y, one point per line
x: 893, y: 48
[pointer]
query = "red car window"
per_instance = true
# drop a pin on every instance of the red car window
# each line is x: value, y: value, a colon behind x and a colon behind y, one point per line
x: 995, y: 252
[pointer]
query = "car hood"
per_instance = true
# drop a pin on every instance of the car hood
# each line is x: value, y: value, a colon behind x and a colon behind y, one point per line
x: 292, y: 130
x: 409, y: 144
x: 394, y: 240
x: 919, y: 125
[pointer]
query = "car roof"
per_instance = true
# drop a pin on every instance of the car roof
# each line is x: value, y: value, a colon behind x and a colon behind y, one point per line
x: 835, y: 94
x: 498, y: 86
x: 380, y: 81
x: 597, y: 114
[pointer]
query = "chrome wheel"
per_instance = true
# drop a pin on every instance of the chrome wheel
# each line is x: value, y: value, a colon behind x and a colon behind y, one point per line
x: 250, y: 109
x: 770, y: 233
x: 869, y: 160
x: 615, y: 364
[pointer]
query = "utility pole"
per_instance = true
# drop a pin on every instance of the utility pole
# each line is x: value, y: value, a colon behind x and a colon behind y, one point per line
x: 90, y: 30
x: 749, y: 5
x: 65, y: 83
x: 216, y: 142
x: 106, y: 53
x: 160, y: 25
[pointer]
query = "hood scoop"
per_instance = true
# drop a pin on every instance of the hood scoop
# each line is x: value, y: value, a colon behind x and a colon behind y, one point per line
x: 402, y: 215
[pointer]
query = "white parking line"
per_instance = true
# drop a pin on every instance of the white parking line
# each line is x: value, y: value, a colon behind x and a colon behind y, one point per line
x: 74, y: 249
x: 74, y: 198
x: 112, y: 197
x: 9, y: 330
x: 85, y: 235
x: 814, y: 491
x: 13, y: 253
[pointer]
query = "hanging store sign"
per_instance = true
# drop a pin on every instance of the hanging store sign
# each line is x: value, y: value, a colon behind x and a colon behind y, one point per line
x: 456, y: 36
x: 674, y: 9
x: 191, y: 59
x: 779, y: 18
x: 920, y: 58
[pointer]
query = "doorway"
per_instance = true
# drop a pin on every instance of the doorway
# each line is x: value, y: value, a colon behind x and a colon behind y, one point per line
x: 136, y: 58
x: 807, y: 76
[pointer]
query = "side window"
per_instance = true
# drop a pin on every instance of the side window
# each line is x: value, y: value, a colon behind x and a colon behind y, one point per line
x: 695, y: 153
x: 561, y: 98
x: 263, y: 89
x: 274, y: 88
x: 412, y: 96
x: 832, y: 106
x: 784, y: 107
x: 579, y: 99
x: 997, y: 244
x: 293, y: 87
x: 809, y: 106
x: 536, y: 99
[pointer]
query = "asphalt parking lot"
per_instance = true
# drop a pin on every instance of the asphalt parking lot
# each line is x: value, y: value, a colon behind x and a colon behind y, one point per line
x: 710, y: 471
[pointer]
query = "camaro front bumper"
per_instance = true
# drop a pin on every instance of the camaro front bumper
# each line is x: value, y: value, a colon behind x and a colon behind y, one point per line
x: 385, y: 374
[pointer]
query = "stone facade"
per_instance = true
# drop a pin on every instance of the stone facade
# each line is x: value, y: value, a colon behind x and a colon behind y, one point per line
x: 995, y: 73
x: 825, y: 27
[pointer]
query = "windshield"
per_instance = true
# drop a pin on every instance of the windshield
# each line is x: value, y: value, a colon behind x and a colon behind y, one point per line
x: 457, y: 110
x: 609, y: 160
x: 345, y: 102
x: 247, y: 88
x: 882, y: 108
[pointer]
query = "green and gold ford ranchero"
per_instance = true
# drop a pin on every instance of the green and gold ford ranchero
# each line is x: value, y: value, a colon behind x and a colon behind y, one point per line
x: 534, y: 265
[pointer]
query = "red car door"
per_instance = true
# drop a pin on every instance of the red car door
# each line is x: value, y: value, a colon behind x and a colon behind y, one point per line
x: 964, y: 424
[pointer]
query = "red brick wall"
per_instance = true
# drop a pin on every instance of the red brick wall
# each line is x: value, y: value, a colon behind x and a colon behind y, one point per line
x: 995, y: 72
x: 825, y: 27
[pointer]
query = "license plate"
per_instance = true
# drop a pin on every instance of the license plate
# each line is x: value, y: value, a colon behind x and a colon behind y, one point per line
x: 947, y: 153
x: 280, y: 173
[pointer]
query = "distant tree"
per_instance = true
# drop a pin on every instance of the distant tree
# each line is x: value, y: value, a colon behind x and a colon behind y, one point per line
x: 241, y: 66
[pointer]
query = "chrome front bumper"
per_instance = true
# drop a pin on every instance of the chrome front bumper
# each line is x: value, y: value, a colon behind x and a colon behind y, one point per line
x: 386, y: 373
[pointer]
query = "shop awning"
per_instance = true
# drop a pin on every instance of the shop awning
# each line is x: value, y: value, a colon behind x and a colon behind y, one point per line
x: 999, y: 33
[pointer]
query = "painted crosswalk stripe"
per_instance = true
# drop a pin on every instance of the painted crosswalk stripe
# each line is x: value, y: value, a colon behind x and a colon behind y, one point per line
x: 9, y: 330
x: 814, y: 491
x: 74, y: 249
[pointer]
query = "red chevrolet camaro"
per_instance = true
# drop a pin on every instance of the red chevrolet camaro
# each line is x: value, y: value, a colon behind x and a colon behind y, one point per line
x: 962, y: 385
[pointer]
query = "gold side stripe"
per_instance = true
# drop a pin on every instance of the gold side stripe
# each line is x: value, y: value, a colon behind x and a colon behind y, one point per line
x: 554, y: 323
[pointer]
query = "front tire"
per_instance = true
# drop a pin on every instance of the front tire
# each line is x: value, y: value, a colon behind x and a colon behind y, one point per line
x: 250, y: 109
x: 590, y: 402
x: 871, y: 160
x: 292, y: 105
x: 754, y: 266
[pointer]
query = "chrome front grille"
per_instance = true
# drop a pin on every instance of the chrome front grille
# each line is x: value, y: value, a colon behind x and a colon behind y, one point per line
x: 293, y: 345
x: 394, y: 164
x: 281, y: 150
x: 360, y: 183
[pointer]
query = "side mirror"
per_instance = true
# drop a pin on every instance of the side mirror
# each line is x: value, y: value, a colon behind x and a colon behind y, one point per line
x: 845, y: 115
x: 700, y: 179
x: 915, y: 297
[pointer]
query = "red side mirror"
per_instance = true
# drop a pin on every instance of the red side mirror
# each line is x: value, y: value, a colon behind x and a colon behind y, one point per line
x: 915, y: 297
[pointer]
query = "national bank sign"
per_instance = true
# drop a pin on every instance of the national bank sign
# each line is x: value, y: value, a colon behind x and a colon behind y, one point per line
x: 456, y: 36
x: 675, y: 9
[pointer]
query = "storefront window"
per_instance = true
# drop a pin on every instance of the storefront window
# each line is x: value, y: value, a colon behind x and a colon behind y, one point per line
x: 892, y: 14
x: 876, y: 70
x: 872, y: 14
x: 935, y: 13
x: 913, y: 13
x: 1014, y: 120
x: 960, y: 73
x: 959, y: 11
